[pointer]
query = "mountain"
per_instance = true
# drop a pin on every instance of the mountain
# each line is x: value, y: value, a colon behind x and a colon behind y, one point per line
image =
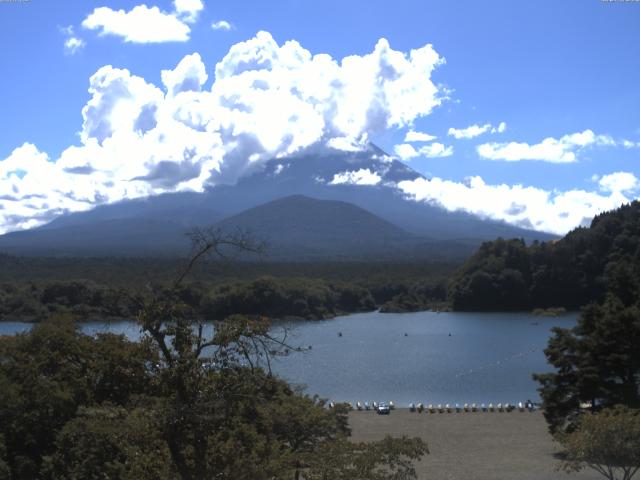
x: 303, y: 228
x: 316, y: 225
x: 273, y: 201
x: 296, y: 228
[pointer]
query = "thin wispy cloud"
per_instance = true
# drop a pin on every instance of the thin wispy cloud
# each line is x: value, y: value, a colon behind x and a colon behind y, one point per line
x: 476, y: 130
x: 413, y: 136
x: 434, y: 150
x: 554, y: 150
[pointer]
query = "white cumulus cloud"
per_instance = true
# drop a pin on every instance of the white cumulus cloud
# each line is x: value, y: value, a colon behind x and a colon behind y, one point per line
x: 501, y: 128
x: 436, y: 150
x: 222, y: 25
x: 554, y: 150
x: 144, y: 24
x: 268, y: 100
x: 188, y: 10
x: 619, y: 182
x: 406, y: 151
x: 364, y: 176
x: 189, y: 76
x: 528, y: 207
x: 72, y: 43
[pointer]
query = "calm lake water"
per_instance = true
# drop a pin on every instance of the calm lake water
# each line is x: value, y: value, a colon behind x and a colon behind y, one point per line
x: 443, y: 358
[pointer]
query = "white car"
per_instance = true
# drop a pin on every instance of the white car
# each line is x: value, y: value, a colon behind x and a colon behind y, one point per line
x: 383, y: 409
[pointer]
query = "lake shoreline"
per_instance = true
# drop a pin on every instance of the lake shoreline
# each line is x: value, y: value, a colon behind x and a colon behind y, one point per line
x: 294, y: 319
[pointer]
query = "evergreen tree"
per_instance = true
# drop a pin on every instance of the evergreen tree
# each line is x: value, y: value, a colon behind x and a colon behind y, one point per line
x: 598, y: 361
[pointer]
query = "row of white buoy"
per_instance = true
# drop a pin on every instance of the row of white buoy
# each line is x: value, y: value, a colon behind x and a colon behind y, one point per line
x: 447, y: 408
x: 364, y: 406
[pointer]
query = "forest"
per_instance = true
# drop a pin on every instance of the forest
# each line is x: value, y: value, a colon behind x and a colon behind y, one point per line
x: 571, y: 272
x: 32, y: 289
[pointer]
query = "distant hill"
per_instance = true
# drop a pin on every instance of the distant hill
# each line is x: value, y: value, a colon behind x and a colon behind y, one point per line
x: 156, y: 225
x: 318, y: 227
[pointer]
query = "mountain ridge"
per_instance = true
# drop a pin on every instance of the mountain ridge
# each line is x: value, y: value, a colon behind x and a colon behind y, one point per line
x: 155, y: 225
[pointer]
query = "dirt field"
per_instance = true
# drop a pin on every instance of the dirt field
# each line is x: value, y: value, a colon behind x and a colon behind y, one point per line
x: 473, y: 446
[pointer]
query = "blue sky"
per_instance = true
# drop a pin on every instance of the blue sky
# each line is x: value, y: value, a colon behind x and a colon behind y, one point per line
x: 565, y: 71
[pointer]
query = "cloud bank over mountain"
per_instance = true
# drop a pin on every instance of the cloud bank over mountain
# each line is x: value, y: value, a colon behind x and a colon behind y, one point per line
x: 267, y: 100
x: 527, y: 207
x: 204, y: 126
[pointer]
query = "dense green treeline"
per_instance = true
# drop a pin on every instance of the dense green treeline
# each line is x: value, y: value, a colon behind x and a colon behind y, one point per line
x: 571, y: 272
x: 312, y: 291
x: 131, y: 272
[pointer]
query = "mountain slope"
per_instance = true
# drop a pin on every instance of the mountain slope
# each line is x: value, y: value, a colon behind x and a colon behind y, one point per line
x: 156, y: 225
x: 311, y: 173
x: 298, y: 226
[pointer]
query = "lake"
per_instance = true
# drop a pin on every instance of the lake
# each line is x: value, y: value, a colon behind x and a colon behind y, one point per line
x: 443, y: 358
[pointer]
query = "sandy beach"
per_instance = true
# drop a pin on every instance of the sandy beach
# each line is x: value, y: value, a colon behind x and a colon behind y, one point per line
x: 473, y: 446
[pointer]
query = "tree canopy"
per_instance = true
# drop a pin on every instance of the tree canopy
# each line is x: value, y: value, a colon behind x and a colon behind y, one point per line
x: 186, y: 402
x: 570, y: 272
x: 597, y: 363
x: 607, y: 442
